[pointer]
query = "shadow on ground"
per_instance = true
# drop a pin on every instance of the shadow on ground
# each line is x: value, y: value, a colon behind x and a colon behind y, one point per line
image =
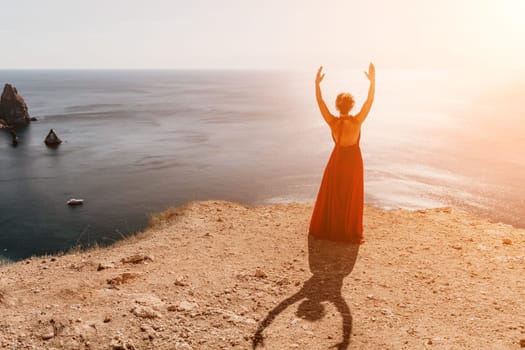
x: 330, y: 262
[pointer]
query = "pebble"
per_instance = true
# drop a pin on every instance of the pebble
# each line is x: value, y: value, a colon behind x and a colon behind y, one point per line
x: 283, y: 281
x: 145, y: 328
x: 48, y: 336
x: 118, y: 344
x: 187, y: 306
x: 181, y: 282
x: 122, y: 278
x: 104, y: 266
x: 145, y: 312
x: 260, y: 273
x: 135, y: 259
x: 182, y: 346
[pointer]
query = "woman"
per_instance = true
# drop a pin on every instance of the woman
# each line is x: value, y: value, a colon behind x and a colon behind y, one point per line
x: 338, y: 211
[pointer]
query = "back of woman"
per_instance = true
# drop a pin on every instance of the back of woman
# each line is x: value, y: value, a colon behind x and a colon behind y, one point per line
x: 338, y: 211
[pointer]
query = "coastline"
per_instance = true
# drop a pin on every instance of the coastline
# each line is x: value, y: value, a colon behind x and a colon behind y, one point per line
x: 206, y: 274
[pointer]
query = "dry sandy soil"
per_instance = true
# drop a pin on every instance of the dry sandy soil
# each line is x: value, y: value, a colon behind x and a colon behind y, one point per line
x: 219, y: 275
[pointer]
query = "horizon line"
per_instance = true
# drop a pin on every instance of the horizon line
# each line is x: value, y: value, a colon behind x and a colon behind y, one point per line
x: 143, y: 68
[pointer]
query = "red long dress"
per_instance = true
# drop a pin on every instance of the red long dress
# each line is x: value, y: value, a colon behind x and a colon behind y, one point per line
x: 338, y: 211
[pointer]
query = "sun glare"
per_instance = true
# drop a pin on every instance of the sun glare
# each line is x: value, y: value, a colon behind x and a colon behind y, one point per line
x: 495, y: 35
x: 514, y: 13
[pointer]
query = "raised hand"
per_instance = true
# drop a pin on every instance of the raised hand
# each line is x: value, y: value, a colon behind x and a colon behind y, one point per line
x: 320, y: 76
x: 371, y: 74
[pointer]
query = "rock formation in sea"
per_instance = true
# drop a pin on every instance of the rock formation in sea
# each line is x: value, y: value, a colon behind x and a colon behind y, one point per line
x: 52, y: 139
x: 13, y: 108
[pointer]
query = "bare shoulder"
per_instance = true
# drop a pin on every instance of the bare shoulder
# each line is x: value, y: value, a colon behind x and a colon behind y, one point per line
x: 360, y: 117
x: 331, y: 119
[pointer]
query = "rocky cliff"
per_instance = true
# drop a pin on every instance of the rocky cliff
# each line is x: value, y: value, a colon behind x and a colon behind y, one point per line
x: 219, y: 275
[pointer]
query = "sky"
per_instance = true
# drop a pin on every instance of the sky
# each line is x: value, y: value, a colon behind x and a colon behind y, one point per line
x: 263, y: 34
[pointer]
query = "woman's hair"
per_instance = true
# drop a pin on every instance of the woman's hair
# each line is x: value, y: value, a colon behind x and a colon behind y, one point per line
x: 344, y: 102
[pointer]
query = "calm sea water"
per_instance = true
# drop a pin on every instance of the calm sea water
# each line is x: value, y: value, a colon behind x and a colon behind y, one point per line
x: 137, y: 142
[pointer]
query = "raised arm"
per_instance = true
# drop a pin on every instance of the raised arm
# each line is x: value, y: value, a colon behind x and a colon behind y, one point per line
x: 371, y: 75
x: 328, y: 117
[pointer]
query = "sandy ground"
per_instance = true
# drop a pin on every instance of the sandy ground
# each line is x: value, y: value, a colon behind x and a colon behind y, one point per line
x: 219, y: 275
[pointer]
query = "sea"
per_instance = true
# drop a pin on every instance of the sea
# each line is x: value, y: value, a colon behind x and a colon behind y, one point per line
x: 137, y: 142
